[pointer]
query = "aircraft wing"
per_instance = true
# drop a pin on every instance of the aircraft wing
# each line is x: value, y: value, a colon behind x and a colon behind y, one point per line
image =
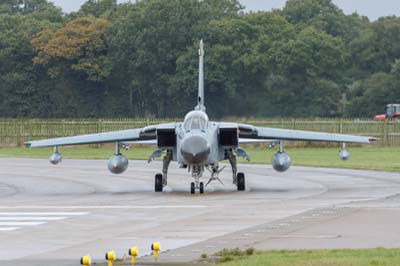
x: 132, y: 135
x: 251, y: 132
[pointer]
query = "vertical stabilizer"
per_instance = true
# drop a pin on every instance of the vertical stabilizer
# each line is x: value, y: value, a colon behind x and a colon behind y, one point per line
x: 200, y: 100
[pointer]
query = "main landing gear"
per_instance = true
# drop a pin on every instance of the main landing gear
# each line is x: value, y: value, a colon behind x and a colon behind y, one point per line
x: 158, y: 183
x: 241, y: 182
x: 161, y: 179
x: 238, y: 178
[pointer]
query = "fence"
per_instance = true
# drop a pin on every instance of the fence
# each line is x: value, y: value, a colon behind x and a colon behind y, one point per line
x: 14, y: 132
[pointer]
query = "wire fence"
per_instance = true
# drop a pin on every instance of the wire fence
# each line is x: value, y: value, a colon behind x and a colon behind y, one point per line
x: 14, y: 132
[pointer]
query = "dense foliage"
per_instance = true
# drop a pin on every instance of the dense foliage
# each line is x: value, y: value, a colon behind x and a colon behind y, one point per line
x: 140, y: 59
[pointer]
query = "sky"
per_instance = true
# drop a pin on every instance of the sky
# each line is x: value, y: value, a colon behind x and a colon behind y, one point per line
x: 371, y: 8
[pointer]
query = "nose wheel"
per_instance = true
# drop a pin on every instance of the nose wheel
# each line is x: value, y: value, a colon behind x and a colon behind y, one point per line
x: 193, y: 187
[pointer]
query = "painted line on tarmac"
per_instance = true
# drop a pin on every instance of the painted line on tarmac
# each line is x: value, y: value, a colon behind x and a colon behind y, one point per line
x: 7, y: 229
x: 21, y: 223
x: 43, y: 213
x: 11, y: 221
x: 27, y: 218
x: 107, y: 207
x: 307, y: 237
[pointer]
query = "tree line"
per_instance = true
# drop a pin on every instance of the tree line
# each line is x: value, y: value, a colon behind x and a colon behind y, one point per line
x: 138, y: 59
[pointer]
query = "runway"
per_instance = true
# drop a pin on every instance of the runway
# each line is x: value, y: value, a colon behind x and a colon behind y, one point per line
x: 56, y: 214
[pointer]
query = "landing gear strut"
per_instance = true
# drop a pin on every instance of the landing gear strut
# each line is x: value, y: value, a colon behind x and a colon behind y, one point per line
x: 166, y: 161
x: 233, y: 162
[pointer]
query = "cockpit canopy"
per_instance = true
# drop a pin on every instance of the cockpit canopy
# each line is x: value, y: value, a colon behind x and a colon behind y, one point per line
x: 196, y: 120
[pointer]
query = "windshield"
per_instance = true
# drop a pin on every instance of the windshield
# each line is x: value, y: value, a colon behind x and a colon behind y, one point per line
x: 390, y: 110
x: 196, y: 120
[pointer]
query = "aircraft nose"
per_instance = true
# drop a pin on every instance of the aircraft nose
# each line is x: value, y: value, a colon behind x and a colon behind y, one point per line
x: 195, y: 149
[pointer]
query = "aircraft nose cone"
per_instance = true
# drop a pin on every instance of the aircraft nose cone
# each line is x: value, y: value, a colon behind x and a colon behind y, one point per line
x: 195, y: 150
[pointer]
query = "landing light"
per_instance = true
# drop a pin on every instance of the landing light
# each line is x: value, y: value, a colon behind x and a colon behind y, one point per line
x: 155, y: 247
x: 86, y: 260
x: 110, y: 256
x: 133, y: 252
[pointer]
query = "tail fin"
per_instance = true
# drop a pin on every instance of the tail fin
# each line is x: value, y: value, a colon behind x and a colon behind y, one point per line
x: 200, y: 100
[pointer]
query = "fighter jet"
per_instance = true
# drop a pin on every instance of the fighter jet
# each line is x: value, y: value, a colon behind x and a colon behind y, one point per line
x: 199, y: 144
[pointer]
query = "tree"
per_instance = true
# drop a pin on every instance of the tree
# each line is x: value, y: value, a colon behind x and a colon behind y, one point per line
x: 140, y: 59
x: 99, y: 8
x: 19, y: 90
x: 146, y: 43
x: 81, y: 45
x: 76, y: 56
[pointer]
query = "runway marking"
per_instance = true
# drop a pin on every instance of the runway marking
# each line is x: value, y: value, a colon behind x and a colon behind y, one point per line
x: 4, y: 229
x: 20, y: 223
x: 43, y: 213
x: 309, y: 237
x: 26, y: 218
x: 106, y: 207
x: 12, y: 221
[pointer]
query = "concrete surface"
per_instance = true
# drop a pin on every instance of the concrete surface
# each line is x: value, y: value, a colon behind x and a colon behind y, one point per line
x: 55, y: 214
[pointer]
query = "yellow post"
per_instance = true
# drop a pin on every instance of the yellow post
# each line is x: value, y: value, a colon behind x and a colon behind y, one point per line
x: 155, y: 247
x: 86, y: 260
x: 133, y: 252
x: 110, y: 256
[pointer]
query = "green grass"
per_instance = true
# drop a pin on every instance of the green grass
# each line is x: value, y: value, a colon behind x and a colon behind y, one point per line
x: 370, y: 257
x: 368, y: 157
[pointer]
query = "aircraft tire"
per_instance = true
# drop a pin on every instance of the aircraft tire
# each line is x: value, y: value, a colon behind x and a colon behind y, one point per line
x: 158, y: 183
x: 201, y: 188
x: 192, y: 188
x: 241, y: 183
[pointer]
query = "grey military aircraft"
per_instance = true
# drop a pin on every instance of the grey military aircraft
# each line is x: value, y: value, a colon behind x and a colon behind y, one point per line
x: 199, y: 144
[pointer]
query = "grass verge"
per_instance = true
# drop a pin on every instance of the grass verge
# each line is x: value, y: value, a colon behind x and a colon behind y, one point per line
x: 368, y: 257
x: 368, y: 157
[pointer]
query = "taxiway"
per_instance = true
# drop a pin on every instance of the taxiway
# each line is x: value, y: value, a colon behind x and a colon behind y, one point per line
x: 55, y: 214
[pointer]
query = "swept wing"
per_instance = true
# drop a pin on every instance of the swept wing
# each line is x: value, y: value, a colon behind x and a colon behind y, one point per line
x: 251, y: 132
x: 146, y: 135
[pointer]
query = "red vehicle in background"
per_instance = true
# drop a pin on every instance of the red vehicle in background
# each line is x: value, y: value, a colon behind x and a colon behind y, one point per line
x: 392, y: 111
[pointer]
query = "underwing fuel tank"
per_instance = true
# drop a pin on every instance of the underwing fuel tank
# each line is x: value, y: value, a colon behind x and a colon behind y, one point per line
x: 118, y: 164
x: 344, y: 155
x: 281, y: 162
x: 55, y: 158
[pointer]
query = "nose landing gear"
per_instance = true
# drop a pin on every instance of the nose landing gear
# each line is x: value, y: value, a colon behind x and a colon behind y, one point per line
x: 199, y: 186
x: 197, y: 173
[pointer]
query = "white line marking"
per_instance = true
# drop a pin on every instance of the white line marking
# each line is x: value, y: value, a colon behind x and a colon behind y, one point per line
x: 6, y: 229
x: 21, y: 223
x: 43, y: 213
x: 310, y: 237
x: 36, y: 218
x: 107, y: 207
